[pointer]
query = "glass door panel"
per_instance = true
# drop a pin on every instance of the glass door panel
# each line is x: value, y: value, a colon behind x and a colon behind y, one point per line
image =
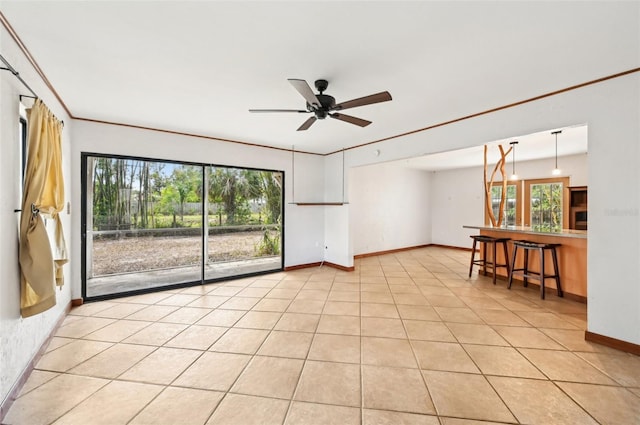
x: 511, y: 205
x: 546, y: 206
x: 143, y: 225
x: 244, y: 216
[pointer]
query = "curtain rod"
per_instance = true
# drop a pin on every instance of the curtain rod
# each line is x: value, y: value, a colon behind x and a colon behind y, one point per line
x: 24, y: 83
x: 17, y: 75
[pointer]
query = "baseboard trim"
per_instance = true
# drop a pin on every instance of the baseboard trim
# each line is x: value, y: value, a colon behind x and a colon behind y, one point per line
x: 302, y: 266
x: 77, y: 302
x: 26, y: 372
x: 339, y: 267
x: 318, y: 264
x: 390, y: 251
x: 369, y: 254
x: 618, y: 344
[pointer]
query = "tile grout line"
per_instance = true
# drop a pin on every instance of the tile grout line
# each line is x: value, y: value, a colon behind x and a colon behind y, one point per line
x: 472, y: 359
x: 202, y: 352
x: 228, y: 391
x: 362, y: 405
x: 531, y: 363
x: 415, y: 357
x: 304, y: 363
x: 575, y: 401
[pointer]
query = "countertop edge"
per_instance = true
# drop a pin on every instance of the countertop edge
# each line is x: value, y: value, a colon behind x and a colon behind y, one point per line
x: 564, y: 233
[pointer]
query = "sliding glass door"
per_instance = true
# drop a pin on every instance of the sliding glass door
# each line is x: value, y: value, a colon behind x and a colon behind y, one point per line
x: 144, y: 223
x: 244, y: 221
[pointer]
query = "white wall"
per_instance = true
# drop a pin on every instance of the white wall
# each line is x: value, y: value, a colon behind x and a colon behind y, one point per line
x: 304, y: 235
x: 335, y: 179
x: 337, y: 243
x: 338, y: 248
x: 572, y: 166
x: 304, y: 226
x: 457, y: 196
x: 612, y: 111
x: 389, y: 208
x: 614, y: 212
x: 21, y: 338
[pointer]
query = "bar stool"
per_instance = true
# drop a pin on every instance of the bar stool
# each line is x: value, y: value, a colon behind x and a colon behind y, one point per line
x: 484, y: 262
x: 528, y: 246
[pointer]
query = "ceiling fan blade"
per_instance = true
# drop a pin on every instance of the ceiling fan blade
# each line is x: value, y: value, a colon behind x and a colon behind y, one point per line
x: 362, y: 101
x: 305, y: 125
x: 300, y: 111
x: 303, y: 88
x: 350, y: 119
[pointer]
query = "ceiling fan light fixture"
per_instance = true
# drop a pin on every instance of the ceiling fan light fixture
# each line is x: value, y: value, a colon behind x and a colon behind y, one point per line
x: 322, y: 105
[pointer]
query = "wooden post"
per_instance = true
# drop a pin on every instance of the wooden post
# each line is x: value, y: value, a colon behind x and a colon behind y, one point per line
x: 487, y: 191
x: 488, y: 184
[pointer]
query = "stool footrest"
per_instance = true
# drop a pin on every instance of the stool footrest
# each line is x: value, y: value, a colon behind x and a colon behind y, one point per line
x: 535, y: 275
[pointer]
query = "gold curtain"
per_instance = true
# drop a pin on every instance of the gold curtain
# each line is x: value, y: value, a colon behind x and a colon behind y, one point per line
x: 43, y: 193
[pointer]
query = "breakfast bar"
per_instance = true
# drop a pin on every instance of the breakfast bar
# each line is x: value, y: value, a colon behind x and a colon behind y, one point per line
x: 572, y: 254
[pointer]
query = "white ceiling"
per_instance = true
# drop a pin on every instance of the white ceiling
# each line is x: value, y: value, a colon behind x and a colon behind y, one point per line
x: 198, y: 66
x: 572, y: 141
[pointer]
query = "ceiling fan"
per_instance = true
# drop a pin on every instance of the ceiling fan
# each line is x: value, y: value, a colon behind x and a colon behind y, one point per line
x: 322, y: 105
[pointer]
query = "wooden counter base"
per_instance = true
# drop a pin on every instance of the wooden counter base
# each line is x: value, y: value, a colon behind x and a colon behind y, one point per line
x: 534, y: 286
x: 572, y: 261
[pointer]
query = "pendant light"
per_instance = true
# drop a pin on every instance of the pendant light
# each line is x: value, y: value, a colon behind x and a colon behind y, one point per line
x: 514, y: 176
x: 556, y: 171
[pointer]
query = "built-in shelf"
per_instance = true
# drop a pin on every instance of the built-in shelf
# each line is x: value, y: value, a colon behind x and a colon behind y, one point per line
x: 313, y: 204
x: 578, y: 207
x: 309, y: 204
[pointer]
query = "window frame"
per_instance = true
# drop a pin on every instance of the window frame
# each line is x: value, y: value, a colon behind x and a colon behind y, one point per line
x: 565, y: 198
x: 518, y: 185
x: 22, y: 125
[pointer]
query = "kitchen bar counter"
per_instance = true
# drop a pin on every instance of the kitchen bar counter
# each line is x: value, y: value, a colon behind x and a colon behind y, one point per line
x: 572, y: 255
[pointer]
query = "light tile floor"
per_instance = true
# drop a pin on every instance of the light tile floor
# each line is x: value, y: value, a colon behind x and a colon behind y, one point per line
x: 405, y: 339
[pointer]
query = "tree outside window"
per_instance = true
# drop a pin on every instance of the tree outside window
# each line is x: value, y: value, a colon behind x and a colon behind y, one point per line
x: 546, y: 206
